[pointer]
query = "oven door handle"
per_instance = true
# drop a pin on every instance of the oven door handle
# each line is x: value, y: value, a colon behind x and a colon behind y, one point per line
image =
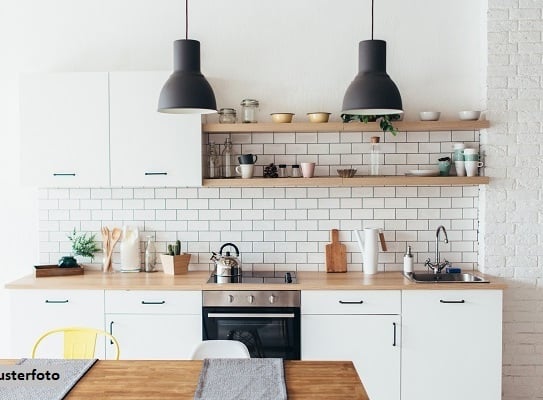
x: 249, y: 315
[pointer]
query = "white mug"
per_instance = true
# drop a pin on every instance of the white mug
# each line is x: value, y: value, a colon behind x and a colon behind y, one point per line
x: 472, y: 167
x: 245, y: 170
x: 470, y: 151
x: 460, y: 168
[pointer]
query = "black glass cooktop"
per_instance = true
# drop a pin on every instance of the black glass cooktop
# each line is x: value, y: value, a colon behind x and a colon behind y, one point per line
x: 256, y: 277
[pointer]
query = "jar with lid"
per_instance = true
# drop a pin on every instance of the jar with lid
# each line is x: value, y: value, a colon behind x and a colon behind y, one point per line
x: 213, y: 162
x: 228, y: 160
x: 295, y: 171
x: 283, y: 171
x: 150, y: 255
x: 227, y: 116
x: 249, y: 111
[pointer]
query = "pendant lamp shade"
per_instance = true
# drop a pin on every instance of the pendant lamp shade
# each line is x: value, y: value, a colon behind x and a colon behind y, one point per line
x: 187, y: 91
x: 372, y: 92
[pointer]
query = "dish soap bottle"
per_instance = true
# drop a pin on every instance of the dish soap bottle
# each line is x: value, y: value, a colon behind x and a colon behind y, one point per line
x: 408, y: 261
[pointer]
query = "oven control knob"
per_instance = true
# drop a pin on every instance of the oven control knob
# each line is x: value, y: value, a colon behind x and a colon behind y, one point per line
x: 272, y: 299
x: 230, y: 298
x: 250, y: 298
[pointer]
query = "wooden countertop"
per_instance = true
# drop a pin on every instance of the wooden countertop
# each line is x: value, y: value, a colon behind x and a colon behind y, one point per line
x: 134, y: 380
x: 197, y: 281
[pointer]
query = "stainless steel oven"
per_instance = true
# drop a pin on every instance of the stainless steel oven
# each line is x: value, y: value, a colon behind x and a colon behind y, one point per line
x: 266, y: 321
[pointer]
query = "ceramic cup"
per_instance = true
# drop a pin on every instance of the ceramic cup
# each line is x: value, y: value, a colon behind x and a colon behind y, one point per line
x: 247, y: 158
x: 458, y: 155
x: 472, y: 167
x: 245, y: 170
x: 460, y: 168
x: 444, y: 167
x: 470, y: 151
x: 308, y: 169
x: 471, y: 157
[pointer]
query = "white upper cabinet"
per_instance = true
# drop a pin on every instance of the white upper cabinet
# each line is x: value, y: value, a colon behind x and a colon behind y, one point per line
x: 65, y: 129
x: 149, y: 148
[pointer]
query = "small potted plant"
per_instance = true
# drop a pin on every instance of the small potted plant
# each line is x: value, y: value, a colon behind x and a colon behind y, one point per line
x: 174, y: 262
x: 385, y: 121
x: 82, y: 245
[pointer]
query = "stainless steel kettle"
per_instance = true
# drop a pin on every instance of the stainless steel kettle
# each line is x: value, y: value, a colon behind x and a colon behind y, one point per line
x: 227, y: 264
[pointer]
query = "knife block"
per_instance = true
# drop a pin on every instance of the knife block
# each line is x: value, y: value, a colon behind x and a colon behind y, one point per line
x: 175, y: 265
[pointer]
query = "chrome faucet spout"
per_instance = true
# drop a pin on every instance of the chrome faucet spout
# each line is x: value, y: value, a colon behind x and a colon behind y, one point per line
x: 438, y: 265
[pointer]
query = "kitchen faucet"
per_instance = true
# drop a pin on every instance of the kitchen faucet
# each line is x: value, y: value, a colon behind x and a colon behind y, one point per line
x: 438, y: 266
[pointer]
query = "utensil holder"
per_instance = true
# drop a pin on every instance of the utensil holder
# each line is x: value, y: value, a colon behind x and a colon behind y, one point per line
x: 175, y: 265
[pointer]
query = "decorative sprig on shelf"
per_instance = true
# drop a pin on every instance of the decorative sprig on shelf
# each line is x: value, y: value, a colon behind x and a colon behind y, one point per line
x: 385, y: 121
x: 83, y: 245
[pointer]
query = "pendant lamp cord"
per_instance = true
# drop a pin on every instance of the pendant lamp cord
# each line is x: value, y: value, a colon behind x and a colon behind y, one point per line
x: 371, y: 19
x: 187, y: 19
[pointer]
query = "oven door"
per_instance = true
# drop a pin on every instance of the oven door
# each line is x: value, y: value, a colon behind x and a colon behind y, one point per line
x: 268, y: 332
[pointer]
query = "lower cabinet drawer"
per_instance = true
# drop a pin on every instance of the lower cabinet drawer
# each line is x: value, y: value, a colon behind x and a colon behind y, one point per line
x: 153, y: 302
x: 351, y: 302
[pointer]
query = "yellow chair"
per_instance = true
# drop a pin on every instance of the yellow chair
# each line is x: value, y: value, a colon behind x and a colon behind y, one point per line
x: 79, y: 343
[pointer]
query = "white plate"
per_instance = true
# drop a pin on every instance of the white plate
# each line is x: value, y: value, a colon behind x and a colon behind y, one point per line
x: 423, y: 172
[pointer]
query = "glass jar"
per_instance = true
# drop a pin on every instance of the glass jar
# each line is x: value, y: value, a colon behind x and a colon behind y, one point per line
x: 227, y: 116
x: 228, y: 160
x: 283, y: 171
x: 213, y: 161
x: 249, y: 111
x: 295, y: 171
x: 150, y: 255
x: 375, y: 156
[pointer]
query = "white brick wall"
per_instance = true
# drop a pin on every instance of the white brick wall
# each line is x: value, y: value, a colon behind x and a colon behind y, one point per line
x: 512, y: 213
x: 286, y: 228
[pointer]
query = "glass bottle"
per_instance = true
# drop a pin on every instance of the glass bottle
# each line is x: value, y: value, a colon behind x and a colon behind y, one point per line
x: 214, y: 161
x: 227, y: 116
x: 375, y: 156
x: 228, y: 160
x: 249, y: 111
x: 150, y: 255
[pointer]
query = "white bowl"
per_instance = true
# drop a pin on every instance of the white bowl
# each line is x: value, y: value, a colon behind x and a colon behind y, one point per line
x: 469, y: 115
x: 429, y: 115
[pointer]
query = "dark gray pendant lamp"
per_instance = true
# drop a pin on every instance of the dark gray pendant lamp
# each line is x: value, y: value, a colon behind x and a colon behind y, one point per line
x: 187, y: 91
x: 372, y: 92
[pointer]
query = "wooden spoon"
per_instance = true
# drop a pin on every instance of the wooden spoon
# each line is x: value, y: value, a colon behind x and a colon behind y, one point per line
x: 105, y: 247
x: 115, y: 236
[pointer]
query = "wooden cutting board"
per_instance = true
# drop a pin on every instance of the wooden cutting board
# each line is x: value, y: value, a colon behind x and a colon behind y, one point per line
x: 336, y: 257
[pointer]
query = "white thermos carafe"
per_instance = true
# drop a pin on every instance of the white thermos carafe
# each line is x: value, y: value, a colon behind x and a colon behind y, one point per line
x: 369, y: 246
x: 130, y: 250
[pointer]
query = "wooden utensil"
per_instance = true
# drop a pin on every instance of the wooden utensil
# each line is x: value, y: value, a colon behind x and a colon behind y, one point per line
x: 105, y: 248
x: 336, y: 257
x: 114, y: 237
x: 383, y: 242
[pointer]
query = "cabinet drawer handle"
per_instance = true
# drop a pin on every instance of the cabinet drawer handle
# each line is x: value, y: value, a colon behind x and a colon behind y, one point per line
x: 452, y: 301
x: 56, y: 301
x: 64, y: 174
x: 111, y: 331
x: 394, y: 342
x: 351, y: 302
x: 153, y: 302
x: 156, y: 173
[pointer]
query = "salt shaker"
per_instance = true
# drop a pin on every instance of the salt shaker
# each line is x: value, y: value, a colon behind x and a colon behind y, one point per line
x: 283, y: 171
x: 295, y: 171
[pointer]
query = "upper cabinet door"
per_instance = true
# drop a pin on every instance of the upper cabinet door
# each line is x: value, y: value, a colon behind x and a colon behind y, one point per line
x: 149, y: 148
x: 65, y: 129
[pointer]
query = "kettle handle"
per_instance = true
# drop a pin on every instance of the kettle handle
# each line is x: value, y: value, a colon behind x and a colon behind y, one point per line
x: 229, y: 244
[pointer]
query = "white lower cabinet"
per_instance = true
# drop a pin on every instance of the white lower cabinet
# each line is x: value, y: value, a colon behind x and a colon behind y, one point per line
x: 451, y: 344
x: 362, y: 326
x: 33, y: 312
x: 154, y: 325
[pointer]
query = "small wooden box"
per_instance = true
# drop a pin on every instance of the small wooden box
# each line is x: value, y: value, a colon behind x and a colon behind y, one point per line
x: 175, y: 265
x: 55, y: 270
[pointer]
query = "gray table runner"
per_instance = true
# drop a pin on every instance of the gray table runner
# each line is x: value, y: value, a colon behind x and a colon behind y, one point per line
x: 241, y: 379
x: 41, y: 379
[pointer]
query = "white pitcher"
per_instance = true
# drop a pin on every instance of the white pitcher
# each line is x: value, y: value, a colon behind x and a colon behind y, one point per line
x: 369, y: 247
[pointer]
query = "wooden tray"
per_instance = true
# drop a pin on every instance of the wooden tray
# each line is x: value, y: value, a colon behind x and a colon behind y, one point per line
x: 55, y: 270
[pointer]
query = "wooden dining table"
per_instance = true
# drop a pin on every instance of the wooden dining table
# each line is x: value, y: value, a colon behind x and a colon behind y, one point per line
x: 165, y: 380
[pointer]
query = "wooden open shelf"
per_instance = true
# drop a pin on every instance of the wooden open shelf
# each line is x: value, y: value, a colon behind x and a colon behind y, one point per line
x: 330, y: 181
x: 401, y: 126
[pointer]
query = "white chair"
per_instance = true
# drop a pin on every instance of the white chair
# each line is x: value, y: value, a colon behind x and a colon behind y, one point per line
x: 220, y: 349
